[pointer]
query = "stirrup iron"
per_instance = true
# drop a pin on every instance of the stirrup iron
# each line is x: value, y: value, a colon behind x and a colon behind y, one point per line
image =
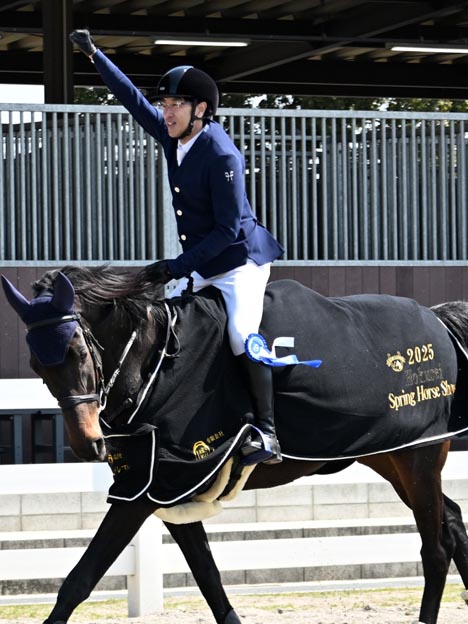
x: 261, y: 449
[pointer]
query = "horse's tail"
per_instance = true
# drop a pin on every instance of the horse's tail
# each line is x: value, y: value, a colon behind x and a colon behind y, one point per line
x: 454, y: 315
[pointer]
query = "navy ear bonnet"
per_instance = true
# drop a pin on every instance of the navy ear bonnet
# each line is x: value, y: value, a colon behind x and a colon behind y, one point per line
x: 49, y: 343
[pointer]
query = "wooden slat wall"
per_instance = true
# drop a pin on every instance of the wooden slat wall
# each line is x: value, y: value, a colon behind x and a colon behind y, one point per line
x: 14, y: 352
x: 429, y: 285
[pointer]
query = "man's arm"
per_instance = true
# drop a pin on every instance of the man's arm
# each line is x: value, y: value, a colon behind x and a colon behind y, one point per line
x: 121, y: 86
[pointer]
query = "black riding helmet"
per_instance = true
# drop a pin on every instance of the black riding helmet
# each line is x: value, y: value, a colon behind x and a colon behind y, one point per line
x: 193, y: 84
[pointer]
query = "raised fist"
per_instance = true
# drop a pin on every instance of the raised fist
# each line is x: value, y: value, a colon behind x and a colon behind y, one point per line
x: 84, y: 41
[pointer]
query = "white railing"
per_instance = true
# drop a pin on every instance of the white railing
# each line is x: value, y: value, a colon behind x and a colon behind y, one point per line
x: 140, y: 562
x: 147, y: 558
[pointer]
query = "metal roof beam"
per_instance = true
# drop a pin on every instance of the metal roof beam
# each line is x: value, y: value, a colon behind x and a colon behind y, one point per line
x: 357, y: 28
x: 257, y: 30
x: 347, y: 75
x: 358, y: 91
x: 148, y: 26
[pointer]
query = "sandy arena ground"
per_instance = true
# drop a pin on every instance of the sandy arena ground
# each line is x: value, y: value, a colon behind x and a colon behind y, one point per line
x: 366, y: 607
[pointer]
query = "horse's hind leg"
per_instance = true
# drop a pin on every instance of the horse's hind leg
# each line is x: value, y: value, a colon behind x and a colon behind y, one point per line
x: 455, y: 526
x: 420, y: 474
x: 416, y: 476
x: 193, y: 542
x: 118, y: 527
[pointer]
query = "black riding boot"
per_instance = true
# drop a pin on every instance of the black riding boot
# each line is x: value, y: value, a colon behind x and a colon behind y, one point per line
x: 260, y: 382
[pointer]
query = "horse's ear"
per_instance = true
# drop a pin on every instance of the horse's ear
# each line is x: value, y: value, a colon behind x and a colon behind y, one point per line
x: 64, y: 293
x: 18, y: 302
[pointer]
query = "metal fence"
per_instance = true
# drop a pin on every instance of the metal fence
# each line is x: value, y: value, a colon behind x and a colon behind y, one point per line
x: 87, y: 183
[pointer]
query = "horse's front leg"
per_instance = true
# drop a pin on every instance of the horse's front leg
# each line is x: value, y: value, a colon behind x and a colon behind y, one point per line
x: 193, y: 542
x: 118, y: 527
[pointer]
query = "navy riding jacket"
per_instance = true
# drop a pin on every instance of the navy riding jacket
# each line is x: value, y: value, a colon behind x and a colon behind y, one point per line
x: 217, y: 228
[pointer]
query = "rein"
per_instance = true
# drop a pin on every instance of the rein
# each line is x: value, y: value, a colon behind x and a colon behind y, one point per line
x: 171, y: 321
x: 105, y: 391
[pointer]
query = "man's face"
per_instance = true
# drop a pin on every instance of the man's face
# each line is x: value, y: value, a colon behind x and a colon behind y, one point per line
x: 177, y: 113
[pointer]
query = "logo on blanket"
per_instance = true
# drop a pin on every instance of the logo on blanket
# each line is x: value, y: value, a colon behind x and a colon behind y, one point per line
x: 117, y: 463
x: 201, y: 450
x: 396, y: 362
x: 420, y: 369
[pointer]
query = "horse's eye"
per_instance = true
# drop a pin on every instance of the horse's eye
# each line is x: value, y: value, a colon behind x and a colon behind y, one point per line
x: 83, y: 353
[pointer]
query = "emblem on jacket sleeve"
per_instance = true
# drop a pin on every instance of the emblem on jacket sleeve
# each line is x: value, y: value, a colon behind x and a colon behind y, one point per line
x: 229, y: 175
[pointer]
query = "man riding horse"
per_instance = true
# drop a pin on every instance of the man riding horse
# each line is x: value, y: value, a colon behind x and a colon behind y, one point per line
x: 223, y: 243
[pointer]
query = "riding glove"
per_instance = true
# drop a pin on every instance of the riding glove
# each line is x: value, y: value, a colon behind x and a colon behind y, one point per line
x: 84, y: 41
x: 158, y: 272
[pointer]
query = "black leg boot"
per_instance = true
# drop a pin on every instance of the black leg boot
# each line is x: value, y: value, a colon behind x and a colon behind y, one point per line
x: 260, y: 383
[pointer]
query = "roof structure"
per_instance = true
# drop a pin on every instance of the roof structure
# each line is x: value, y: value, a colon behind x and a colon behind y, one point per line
x: 300, y: 47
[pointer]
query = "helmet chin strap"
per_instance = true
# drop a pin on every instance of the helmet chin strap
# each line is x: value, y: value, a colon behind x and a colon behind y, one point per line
x: 187, y: 130
x: 193, y: 119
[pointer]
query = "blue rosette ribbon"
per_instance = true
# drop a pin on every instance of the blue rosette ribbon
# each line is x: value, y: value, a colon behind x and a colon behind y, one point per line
x: 257, y: 350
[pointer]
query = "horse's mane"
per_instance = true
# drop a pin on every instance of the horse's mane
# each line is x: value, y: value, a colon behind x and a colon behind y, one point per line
x: 104, y: 287
x: 454, y: 314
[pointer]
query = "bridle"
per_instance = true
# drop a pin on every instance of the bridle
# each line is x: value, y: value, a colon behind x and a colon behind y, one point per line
x: 93, y: 345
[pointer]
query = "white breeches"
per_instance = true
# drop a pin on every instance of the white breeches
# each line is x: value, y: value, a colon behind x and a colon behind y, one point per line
x: 243, y: 289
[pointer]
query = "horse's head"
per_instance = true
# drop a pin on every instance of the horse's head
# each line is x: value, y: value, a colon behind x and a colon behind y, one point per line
x: 62, y: 355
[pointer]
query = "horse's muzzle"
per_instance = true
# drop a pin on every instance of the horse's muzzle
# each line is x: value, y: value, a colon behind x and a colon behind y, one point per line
x: 94, y: 450
x: 99, y: 447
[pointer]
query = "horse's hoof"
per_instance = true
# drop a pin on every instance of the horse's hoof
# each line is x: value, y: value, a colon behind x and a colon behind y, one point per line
x: 231, y: 618
x: 464, y: 595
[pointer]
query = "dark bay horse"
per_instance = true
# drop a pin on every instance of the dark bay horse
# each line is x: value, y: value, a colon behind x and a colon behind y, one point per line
x: 96, y: 340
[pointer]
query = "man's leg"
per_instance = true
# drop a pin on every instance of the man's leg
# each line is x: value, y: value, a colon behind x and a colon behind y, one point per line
x: 260, y: 382
x: 243, y: 291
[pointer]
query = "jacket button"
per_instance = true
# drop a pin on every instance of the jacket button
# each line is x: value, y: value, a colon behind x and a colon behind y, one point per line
x: 183, y: 237
x: 179, y: 212
x: 176, y: 189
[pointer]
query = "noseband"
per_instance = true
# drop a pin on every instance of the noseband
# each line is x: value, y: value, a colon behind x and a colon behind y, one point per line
x: 91, y: 342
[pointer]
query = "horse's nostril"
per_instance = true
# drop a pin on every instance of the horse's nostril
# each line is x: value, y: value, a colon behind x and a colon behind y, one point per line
x: 99, y: 448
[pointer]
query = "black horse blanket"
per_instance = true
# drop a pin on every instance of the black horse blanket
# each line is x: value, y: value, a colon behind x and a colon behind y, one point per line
x: 387, y: 381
